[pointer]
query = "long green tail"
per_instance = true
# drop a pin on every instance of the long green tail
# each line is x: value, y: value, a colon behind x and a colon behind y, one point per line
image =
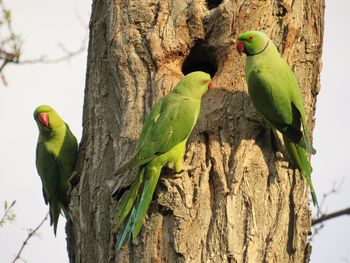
x: 299, y: 157
x: 55, y: 210
x: 137, y: 203
x: 306, y: 133
x: 129, y: 199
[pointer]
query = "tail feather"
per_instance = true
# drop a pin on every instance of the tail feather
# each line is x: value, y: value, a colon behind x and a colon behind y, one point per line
x: 146, y: 198
x: 299, y: 157
x: 65, y: 212
x: 129, y: 199
x: 307, y: 143
x: 307, y: 146
x: 132, y: 227
x: 55, y: 210
x: 125, y: 236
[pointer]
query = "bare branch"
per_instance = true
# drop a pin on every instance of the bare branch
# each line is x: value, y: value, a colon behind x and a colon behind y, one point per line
x: 334, y: 190
x: 10, y: 42
x: 31, y: 233
x: 13, y: 41
x: 321, y: 213
x: 326, y: 217
x: 67, y: 56
x: 11, y: 46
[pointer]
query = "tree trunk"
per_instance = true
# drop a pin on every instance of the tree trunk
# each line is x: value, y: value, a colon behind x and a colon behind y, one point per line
x: 242, y: 202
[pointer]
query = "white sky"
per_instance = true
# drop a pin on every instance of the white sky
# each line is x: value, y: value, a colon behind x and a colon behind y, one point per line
x: 45, y: 23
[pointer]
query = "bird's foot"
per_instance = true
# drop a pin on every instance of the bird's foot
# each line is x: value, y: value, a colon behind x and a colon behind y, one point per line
x: 276, y: 145
x: 186, y: 168
x: 279, y: 156
x: 253, y: 118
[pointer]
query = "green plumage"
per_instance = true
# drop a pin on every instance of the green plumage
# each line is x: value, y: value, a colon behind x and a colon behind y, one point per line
x: 162, y: 141
x: 276, y: 95
x: 55, y: 159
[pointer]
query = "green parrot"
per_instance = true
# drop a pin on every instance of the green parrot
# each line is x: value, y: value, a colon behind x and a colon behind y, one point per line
x: 56, y: 153
x: 276, y: 95
x: 162, y: 141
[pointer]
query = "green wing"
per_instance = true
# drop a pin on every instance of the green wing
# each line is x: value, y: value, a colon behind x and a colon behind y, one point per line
x: 172, y: 125
x: 274, y: 95
x: 137, y: 160
x: 150, y: 121
x: 170, y: 122
x: 67, y: 156
x: 66, y: 164
x: 48, y: 170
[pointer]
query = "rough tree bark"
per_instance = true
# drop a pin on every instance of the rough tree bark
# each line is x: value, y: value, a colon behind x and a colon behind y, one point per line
x: 243, y: 202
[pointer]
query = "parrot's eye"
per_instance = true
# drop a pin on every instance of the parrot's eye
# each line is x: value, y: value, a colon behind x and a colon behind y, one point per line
x: 250, y: 38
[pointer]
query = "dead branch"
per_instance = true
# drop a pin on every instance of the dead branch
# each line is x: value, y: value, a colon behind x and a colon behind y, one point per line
x: 318, y: 226
x: 31, y: 233
x: 11, y: 46
x: 67, y: 55
x: 326, y: 217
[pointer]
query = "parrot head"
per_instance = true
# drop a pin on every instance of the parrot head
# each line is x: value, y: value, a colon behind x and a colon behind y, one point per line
x: 47, y: 118
x: 252, y: 42
x: 194, y: 84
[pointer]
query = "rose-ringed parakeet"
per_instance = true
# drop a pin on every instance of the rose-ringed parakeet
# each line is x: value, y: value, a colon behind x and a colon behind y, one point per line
x: 56, y: 153
x: 162, y: 141
x: 276, y: 95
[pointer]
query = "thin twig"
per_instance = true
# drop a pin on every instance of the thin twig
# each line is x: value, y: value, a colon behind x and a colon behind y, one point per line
x: 326, y: 217
x: 10, y: 47
x: 30, y: 235
x: 4, y: 64
x: 10, y: 44
x: 335, y: 189
x: 321, y: 213
x: 6, y: 214
x: 67, y: 56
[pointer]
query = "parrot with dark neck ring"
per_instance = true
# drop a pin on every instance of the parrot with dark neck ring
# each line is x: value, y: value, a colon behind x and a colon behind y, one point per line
x: 276, y: 95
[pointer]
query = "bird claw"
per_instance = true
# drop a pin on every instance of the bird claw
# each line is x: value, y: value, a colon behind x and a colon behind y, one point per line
x: 187, y: 168
x: 279, y: 156
x: 182, y: 168
x: 276, y: 145
x: 253, y: 118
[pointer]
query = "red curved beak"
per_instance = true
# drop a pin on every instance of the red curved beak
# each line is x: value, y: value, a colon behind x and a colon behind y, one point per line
x: 44, y: 119
x: 240, y: 47
x: 210, y: 85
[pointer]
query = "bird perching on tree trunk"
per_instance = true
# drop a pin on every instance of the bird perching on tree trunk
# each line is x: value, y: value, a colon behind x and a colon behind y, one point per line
x: 56, y: 153
x: 162, y: 141
x: 239, y: 202
x: 276, y: 95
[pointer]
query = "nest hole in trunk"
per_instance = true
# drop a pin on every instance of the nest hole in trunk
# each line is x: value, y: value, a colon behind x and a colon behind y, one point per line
x: 213, y: 3
x: 200, y: 58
